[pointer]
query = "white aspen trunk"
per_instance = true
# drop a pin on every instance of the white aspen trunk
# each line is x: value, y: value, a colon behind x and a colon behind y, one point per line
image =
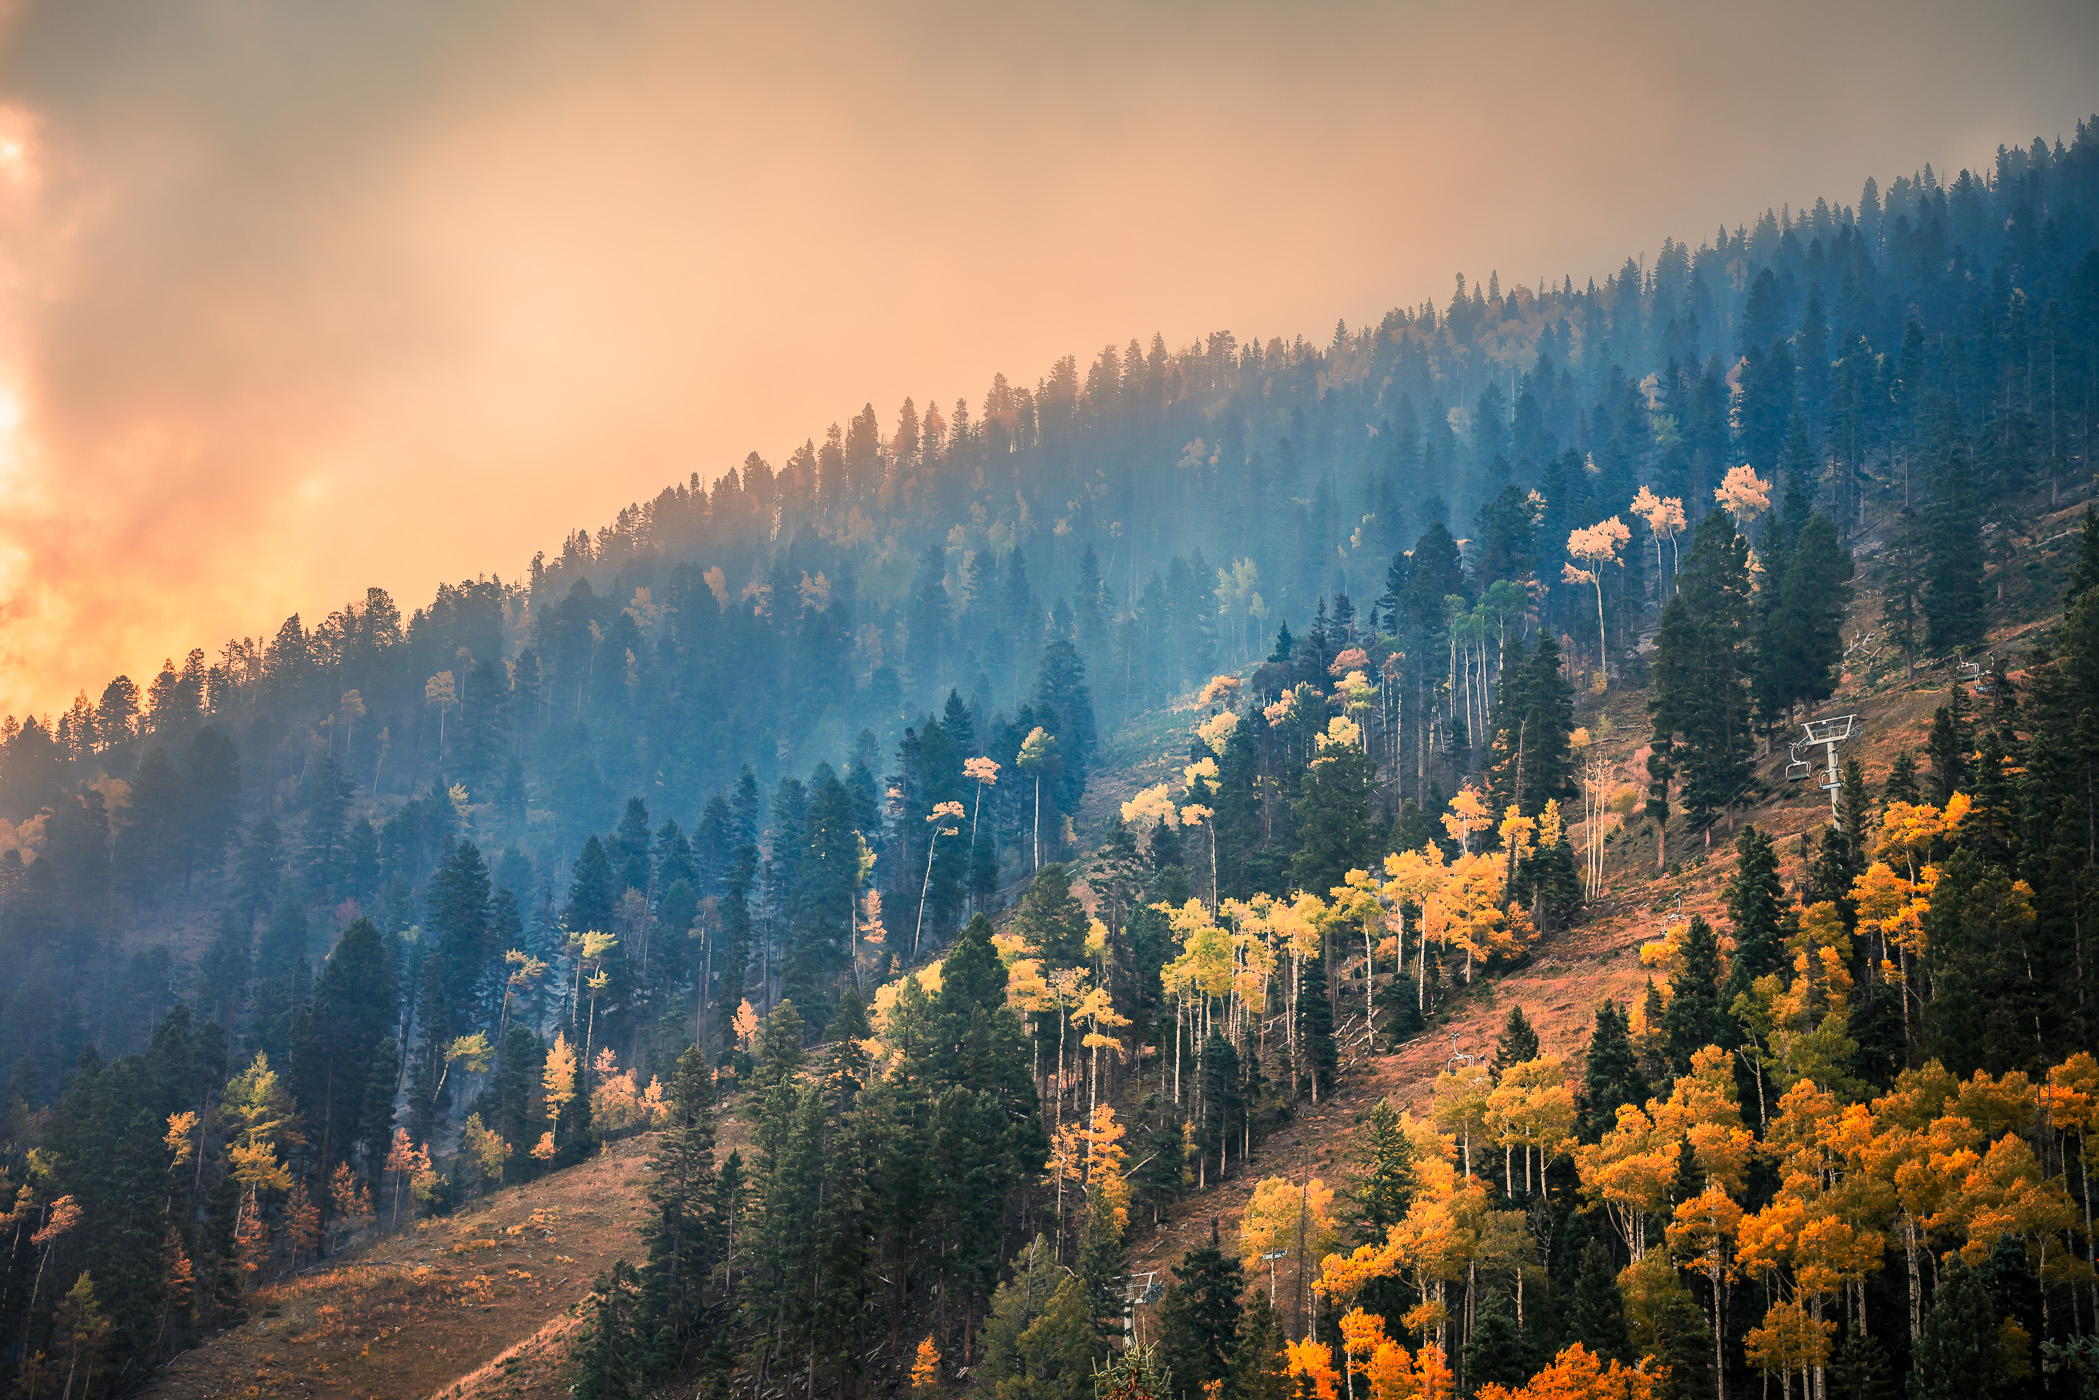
x: 1603, y: 645
x: 1369, y: 977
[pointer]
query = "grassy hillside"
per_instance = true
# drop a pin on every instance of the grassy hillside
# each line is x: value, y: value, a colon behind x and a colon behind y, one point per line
x: 477, y: 1304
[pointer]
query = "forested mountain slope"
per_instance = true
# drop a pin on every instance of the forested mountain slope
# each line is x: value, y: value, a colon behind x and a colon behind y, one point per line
x: 819, y: 796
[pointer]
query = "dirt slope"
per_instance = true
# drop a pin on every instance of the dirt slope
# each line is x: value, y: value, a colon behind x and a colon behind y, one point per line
x: 478, y: 1304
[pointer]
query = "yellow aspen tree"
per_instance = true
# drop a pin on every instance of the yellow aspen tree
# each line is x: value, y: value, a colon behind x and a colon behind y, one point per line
x: 404, y: 1159
x: 1391, y: 1371
x: 1194, y: 815
x: 1067, y: 987
x: 1908, y: 831
x: 1891, y: 911
x: 1467, y: 817
x: 1295, y: 927
x: 1411, y: 879
x: 1311, y: 1367
x: 1743, y: 494
x: 1789, y: 1340
x: 1519, y: 836
x: 1438, y: 1242
x: 1151, y: 806
x: 1465, y: 910
x: 1028, y: 993
x: 984, y: 773
x: 1460, y: 1098
x: 1037, y: 751
x: 1596, y: 545
x: 524, y: 971
x: 1505, y: 1251
x: 260, y: 1113
x: 1809, y: 1028
x: 925, y: 1368
x: 2069, y: 1103
x: 1665, y: 518
x: 1293, y: 1221
x: 936, y: 821
x: 1701, y: 1234
x: 1096, y: 1011
x: 1531, y: 1109
x: 1629, y: 1174
x: 1356, y: 910
x: 558, y: 1078
x: 1254, y: 960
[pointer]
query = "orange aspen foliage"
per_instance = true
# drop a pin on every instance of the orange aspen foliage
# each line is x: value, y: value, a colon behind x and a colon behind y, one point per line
x: 1314, y: 1362
x: 1579, y: 1374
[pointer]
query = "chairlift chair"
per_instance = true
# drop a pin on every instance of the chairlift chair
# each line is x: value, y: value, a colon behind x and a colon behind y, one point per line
x: 1456, y: 1059
x: 1798, y: 767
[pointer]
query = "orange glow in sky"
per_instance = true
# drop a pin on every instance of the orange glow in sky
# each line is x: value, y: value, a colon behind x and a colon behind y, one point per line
x: 299, y: 298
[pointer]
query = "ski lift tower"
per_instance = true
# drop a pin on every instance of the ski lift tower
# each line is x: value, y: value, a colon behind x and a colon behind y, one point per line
x: 1829, y: 733
x: 1139, y: 1290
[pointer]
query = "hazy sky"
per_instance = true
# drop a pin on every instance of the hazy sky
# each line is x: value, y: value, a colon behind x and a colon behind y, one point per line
x: 298, y: 296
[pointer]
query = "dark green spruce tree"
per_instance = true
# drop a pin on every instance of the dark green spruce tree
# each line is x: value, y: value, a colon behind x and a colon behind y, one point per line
x: 1199, y: 1318
x: 1954, y: 603
x: 1701, y: 676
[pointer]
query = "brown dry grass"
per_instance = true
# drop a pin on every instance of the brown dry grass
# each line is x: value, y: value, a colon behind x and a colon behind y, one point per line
x: 477, y: 1305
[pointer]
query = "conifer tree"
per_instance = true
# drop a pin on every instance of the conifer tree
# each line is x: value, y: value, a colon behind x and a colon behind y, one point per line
x: 1956, y: 1355
x: 1529, y: 762
x: 1904, y: 604
x: 1755, y: 904
x: 1496, y: 1353
x: 1315, y: 1019
x: 1695, y: 1017
x: 1387, y: 1179
x: 682, y: 1233
x: 614, y: 1352
x: 1060, y: 1351
x: 1102, y: 1263
x: 1335, y: 822
x: 1952, y: 739
x: 1260, y: 1367
x: 1861, y: 1370
x: 1701, y: 699
x: 1953, y: 571
x: 1019, y: 1301
x: 1199, y: 1318
x: 1052, y: 919
x: 1802, y: 645
x: 1596, y: 1312
x: 1990, y: 825
x: 1901, y: 784
x: 1611, y: 1075
x: 2084, y: 569
x: 590, y: 892
x: 1855, y: 812
x: 338, y: 1054
x: 1518, y: 1043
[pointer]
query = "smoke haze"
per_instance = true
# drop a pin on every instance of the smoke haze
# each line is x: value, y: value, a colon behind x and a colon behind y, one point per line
x: 298, y: 297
